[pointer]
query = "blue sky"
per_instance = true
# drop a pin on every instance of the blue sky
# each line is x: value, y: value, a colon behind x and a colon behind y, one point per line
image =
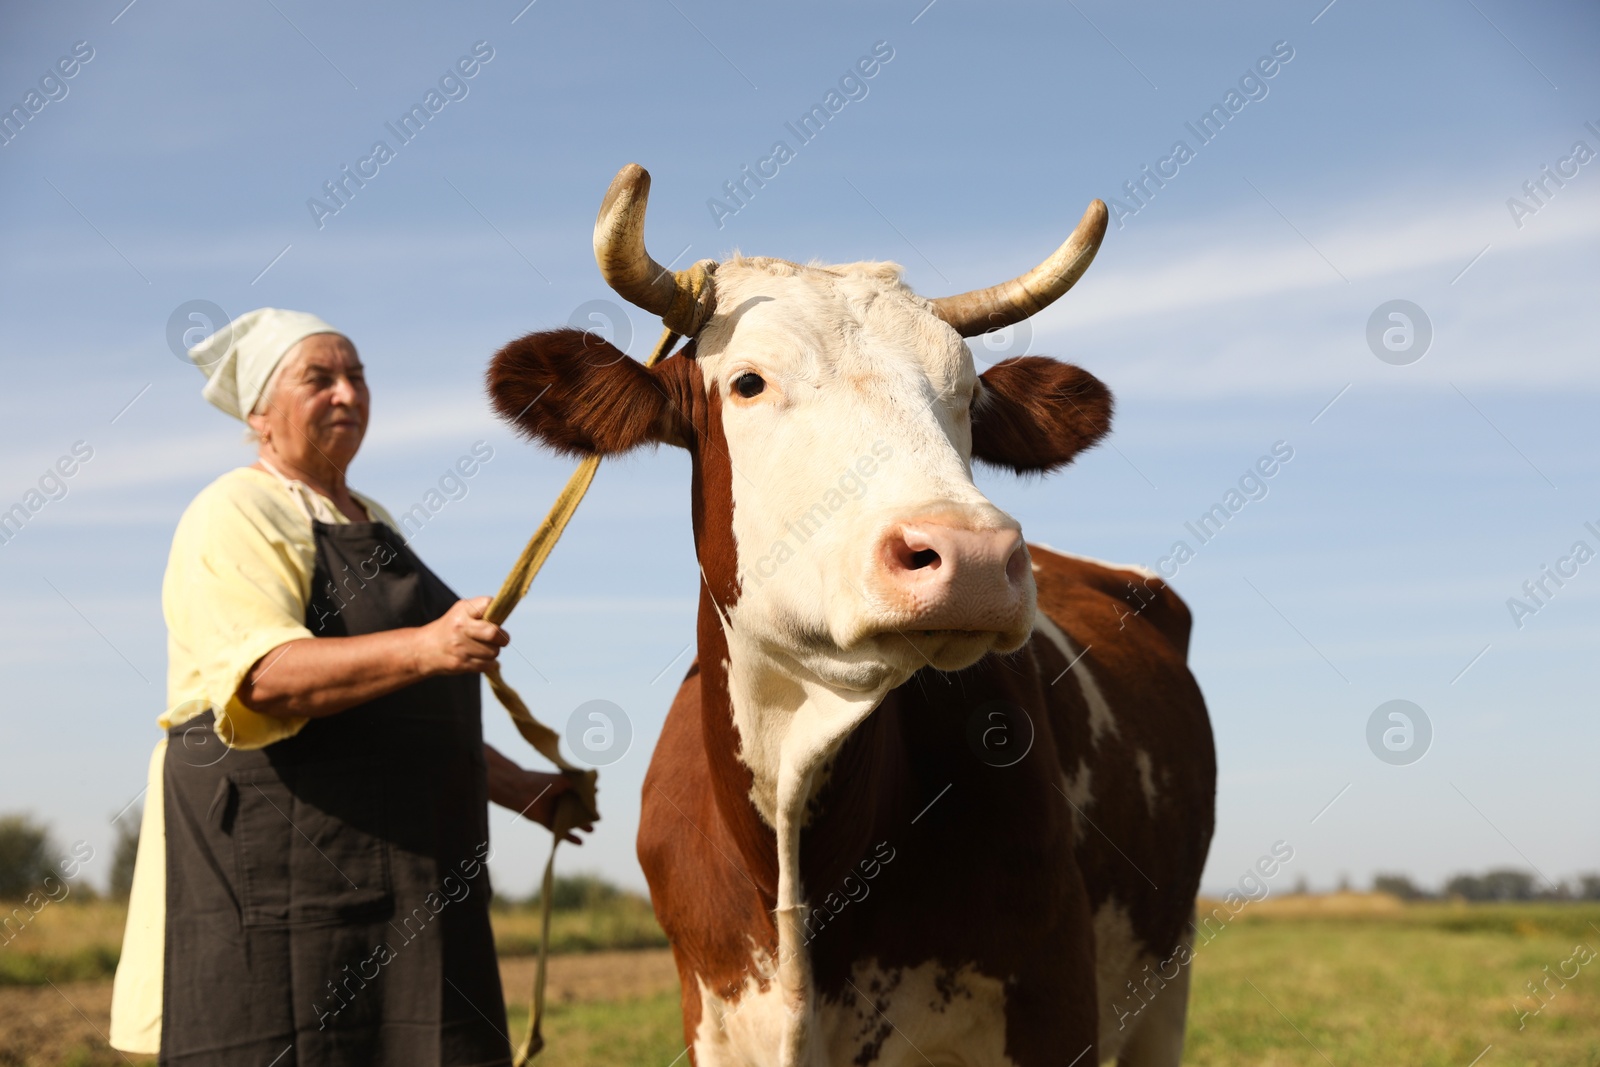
x: 1228, y: 312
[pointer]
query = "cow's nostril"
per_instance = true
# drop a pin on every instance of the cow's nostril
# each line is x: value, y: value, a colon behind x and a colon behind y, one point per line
x: 925, y: 558
x: 1017, y: 566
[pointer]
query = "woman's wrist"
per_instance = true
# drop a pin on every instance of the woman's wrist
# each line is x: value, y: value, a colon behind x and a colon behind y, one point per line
x: 416, y: 651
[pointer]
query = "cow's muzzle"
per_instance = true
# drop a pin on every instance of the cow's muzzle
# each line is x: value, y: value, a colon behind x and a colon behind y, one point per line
x: 939, y: 575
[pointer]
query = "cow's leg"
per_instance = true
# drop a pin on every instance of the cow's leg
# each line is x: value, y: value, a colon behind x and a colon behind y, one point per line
x: 1157, y: 1039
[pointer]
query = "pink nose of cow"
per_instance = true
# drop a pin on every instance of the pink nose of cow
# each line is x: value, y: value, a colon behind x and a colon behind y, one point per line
x: 953, y: 577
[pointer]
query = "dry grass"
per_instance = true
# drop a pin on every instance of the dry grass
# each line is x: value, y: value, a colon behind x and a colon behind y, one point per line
x: 80, y: 941
x: 1325, y: 906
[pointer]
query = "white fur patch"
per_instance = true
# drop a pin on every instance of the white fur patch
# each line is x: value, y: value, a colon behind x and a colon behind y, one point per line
x: 1100, y: 717
x: 1147, y: 779
x: 1076, y: 786
x: 746, y: 1031
x: 1142, y: 1014
x: 1119, y: 956
x: 863, y: 421
x: 905, y: 1017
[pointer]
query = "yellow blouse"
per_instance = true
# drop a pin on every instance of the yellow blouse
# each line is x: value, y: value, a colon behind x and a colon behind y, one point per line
x: 237, y: 584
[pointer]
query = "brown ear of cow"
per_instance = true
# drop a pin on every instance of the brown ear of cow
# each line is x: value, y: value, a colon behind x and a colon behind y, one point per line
x: 1036, y: 414
x: 579, y: 394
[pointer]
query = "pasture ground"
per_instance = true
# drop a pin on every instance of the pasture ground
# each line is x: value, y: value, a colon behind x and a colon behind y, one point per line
x: 1289, y: 982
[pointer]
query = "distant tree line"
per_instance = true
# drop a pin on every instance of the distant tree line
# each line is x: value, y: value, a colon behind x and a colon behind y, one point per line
x: 29, y: 854
x: 576, y: 892
x: 1502, y: 883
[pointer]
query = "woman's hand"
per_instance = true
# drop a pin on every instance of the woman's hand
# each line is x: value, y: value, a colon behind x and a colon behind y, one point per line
x: 459, y: 641
x: 315, y: 676
x: 532, y: 794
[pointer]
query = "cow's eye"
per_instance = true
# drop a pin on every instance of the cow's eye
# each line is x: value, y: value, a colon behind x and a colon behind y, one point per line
x: 749, y: 384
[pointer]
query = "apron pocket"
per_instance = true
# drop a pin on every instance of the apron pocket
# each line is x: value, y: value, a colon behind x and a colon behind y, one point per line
x: 311, y: 844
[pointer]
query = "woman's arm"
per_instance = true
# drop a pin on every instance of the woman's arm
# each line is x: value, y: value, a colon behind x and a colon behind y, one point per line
x: 316, y: 676
x: 531, y: 794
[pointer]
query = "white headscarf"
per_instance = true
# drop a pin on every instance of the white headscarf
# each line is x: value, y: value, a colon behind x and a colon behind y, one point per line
x: 238, y: 360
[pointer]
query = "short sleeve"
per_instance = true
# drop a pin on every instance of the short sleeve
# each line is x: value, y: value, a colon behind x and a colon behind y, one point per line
x: 236, y: 587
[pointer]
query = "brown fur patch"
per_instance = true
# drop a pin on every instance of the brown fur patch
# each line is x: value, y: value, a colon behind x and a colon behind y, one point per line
x: 694, y: 864
x: 1137, y: 659
x: 1036, y: 414
x: 711, y: 862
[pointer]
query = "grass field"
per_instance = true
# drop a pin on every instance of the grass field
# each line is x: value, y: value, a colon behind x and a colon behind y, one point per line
x: 1313, y: 981
x: 1426, y: 985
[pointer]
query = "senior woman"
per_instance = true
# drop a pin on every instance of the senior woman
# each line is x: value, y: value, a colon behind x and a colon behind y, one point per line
x: 311, y: 883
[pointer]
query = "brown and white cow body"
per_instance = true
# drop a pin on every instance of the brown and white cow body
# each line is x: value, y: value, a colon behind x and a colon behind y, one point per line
x: 928, y: 795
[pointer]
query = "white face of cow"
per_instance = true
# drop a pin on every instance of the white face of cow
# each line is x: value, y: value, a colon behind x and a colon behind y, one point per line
x: 864, y: 550
x: 834, y: 417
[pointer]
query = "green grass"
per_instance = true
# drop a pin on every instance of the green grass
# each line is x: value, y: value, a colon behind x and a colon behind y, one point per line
x: 1432, y: 986
x: 630, y: 1032
x: 85, y: 965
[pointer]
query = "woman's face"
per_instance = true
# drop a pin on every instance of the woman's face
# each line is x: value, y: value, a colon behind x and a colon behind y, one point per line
x: 316, y: 413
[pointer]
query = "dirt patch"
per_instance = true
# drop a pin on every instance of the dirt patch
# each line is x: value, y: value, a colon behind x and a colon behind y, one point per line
x: 46, y: 1026
x: 593, y: 976
x: 64, y: 1023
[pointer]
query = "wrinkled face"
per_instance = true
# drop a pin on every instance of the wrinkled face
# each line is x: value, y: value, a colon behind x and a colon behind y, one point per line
x: 834, y: 420
x: 314, y: 411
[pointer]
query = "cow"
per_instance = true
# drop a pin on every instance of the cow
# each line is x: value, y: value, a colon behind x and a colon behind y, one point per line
x: 929, y: 793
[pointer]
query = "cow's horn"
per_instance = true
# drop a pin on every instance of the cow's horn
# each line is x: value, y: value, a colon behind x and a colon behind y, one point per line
x: 684, y: 298
x: 1001, y: 305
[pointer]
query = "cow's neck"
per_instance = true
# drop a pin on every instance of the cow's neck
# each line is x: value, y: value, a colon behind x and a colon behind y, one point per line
x: 769, y: 733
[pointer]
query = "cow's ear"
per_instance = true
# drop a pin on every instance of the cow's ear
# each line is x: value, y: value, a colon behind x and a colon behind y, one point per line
x: 1034, y: 414
x: 577, y: 393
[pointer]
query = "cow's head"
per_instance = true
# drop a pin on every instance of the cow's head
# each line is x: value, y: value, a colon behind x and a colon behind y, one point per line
x: 833, y: 416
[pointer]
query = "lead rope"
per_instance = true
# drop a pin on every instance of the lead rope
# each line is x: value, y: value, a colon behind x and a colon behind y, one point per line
x: 577, y: 806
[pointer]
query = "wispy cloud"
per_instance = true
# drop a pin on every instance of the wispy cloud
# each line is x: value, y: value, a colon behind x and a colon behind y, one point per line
x: 1204, y: 311
x: 1210, y: 266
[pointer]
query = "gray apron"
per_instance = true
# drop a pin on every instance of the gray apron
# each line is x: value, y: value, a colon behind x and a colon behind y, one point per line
x: 327, y: 899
